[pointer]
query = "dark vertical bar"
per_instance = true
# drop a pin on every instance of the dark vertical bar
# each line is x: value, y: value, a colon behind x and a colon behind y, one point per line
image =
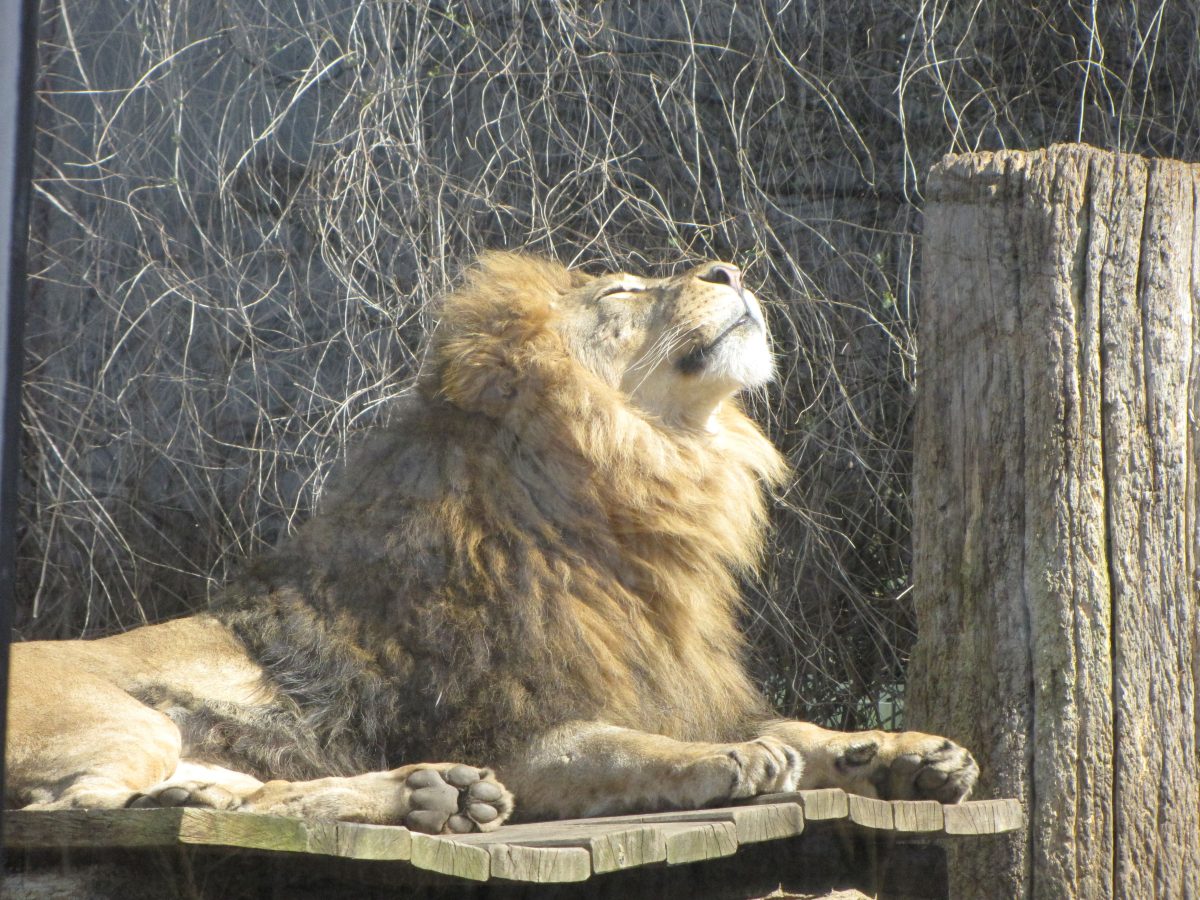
x: 18, y: 37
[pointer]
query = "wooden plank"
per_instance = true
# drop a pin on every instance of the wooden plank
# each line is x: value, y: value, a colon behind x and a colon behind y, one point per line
x: 213, y: 827
x: 827, y: 803
x: 917, y: 816
x: 614, y: 844
x: 544, y: 833
x: 539, y: 853
x: 351, y: 840
x: 697, y: 841
x: 768, y: 822
x: 626, y: 849
x: 718, y: 814
x: 38, y: 829
x: 754, y: 823
x: 818, y: 805
x: 870, y: 813
x: 448, y: 856
x: 983, y: 817
x: 540, y: 865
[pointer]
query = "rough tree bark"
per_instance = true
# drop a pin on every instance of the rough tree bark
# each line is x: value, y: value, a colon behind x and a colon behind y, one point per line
x: 1056, y: 513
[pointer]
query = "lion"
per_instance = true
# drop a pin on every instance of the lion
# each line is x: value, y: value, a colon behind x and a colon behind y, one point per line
x: 532, y: 571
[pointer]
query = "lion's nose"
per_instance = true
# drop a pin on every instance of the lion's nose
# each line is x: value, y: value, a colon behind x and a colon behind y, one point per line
x: 721, y: 273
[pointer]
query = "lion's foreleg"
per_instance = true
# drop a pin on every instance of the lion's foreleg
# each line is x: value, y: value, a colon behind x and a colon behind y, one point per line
x: 591, y: 769
x: 903, y: 765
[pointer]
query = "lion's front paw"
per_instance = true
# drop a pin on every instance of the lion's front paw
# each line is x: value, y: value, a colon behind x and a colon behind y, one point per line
x: 912, y: 766
x: 762, y: 766
x: 455, y: 799
x: 931, y: 768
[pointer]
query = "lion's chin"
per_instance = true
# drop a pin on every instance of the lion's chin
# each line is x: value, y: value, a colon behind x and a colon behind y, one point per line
x: 688, y: 394
x: 740, y: 360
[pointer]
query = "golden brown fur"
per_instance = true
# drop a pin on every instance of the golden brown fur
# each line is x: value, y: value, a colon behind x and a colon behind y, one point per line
x: 533, y: 567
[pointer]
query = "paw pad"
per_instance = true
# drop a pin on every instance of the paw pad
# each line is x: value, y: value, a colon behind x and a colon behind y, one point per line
x: 459, y: 800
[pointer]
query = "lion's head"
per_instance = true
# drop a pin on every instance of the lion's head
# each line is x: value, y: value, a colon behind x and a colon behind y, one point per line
x: 676, y: 347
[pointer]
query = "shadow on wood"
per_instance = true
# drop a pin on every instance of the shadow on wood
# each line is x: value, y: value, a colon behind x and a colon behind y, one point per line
x: 819, y: 862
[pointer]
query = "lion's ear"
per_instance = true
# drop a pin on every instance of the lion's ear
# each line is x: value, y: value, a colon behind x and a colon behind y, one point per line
x: 494, y: 334
x: 477, y: 375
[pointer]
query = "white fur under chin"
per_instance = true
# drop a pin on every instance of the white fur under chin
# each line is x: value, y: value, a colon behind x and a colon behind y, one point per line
x: 743, y: 360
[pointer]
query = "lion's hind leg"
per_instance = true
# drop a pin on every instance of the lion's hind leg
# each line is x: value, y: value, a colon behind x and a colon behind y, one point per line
x: 201, y: 784
x: 433, y: 798
x: 77, y: 741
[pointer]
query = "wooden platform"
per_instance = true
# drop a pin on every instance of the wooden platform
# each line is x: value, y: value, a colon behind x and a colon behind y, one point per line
x: 550, y: 852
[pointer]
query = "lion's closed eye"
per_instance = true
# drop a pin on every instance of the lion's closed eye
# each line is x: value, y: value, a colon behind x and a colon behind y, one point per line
x: 614, y: 289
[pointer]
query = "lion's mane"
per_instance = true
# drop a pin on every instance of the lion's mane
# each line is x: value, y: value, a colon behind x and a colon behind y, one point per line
x: 519, y: 547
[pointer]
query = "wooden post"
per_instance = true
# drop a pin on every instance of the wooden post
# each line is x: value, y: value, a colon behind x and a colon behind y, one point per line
x: 1055, y: 500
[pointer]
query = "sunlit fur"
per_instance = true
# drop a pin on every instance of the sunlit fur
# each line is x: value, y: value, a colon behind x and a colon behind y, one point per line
x: 522, y: 546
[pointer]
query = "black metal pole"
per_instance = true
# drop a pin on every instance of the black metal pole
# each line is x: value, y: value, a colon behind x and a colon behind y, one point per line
x: 18, y: 47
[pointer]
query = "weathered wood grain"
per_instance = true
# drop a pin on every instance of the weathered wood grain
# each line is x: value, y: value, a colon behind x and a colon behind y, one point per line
x: 354, y: 841
x: 34, y: 830
x: 626, y: 849
x: 232, y: 829
x: 983, y: 817
x: 818, y: 805
x: 870, y: 813
x: 918, y: 816
x: 540, y: 865
x: 754, y: 823
x: 612, y: 843
x: 697, y: 841
x: 768, y: 822
x: 1055, y: 511
x: 450, y: 857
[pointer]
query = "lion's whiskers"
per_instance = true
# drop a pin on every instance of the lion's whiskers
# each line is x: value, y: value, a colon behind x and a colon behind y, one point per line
x: 662, y: 347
